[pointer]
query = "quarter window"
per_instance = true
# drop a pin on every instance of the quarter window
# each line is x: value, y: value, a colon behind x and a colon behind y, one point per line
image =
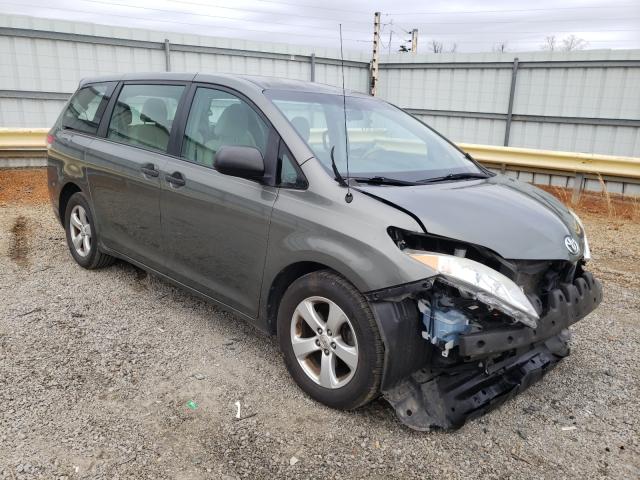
x: 289, y: 175
x: 217, y: 119
x: 143, y: 115
x: 86, y: 107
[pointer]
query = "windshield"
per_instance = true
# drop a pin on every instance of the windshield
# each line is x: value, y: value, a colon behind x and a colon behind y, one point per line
x: 383, y: 140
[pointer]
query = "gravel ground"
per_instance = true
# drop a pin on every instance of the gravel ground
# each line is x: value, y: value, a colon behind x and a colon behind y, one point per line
x: 117, y: 374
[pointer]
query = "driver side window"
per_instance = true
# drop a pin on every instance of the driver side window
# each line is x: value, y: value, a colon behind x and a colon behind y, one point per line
x: 217, y: 119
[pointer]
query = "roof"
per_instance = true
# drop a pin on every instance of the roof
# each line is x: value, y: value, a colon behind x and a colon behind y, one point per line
x: 262, y: 82
x: 277, y: 83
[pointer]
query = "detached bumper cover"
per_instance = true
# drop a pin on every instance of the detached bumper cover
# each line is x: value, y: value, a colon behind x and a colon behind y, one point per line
x: 425, y: 399
x: 425, y: 402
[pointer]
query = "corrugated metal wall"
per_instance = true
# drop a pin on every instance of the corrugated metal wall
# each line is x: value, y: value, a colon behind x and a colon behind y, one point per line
x: 585, y: 101
x: 39, y: 61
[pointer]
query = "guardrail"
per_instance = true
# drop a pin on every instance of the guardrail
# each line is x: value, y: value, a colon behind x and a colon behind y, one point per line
x: 23, y: 139
x: 27, y: 147
x: 23, y: 147
x: 605, y: 165
x: 582, y: 171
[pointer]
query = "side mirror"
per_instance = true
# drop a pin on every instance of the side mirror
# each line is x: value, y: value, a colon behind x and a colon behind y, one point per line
x: 237, y: 161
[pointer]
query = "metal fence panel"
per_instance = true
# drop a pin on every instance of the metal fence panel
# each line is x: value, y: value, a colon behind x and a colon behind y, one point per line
x: 579, y: 92
x: 469, y: 130
x: 29, y: 113
x: 586, y: 101
x: 470, y: 90
x: 609, y: 140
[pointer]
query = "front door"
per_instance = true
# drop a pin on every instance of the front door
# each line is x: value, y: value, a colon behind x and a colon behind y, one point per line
x: 125, y: 173
x: 215, y: 227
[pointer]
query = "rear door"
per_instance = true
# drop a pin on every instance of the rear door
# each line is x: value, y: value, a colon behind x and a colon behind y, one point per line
x: 127, y: 161
x: 215, y: 227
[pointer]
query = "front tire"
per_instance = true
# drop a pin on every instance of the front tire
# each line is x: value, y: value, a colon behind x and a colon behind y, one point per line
x: 330, y: 340
x: 82, y: 237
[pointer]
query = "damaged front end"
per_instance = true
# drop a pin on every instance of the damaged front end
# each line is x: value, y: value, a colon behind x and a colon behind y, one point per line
x: 480, y: 331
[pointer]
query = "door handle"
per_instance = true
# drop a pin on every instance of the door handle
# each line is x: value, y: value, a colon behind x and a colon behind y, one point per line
x: 149, y: 169
x: 176, y: 179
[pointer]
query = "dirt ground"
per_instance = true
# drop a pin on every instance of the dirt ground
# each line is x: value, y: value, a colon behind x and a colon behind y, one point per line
x: 117, y: 374
x: 23, y: 185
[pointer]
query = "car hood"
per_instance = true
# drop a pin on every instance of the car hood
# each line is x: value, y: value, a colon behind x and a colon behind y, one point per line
x: 512, y: 218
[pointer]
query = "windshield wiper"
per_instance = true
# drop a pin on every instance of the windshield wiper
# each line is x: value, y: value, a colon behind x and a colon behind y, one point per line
x: 384, y: 181
x: 455, y: 176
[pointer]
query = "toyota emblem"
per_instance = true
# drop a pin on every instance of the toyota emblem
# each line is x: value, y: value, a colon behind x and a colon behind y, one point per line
x: 572, y: 245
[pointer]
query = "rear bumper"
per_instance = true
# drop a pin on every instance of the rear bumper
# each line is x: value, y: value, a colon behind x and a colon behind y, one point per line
x: 493, y: 365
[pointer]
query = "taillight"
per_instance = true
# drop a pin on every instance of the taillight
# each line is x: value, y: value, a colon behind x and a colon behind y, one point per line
x: 49, y: 139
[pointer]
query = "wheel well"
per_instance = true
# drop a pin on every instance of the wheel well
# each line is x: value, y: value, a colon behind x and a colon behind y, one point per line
x: 286, y: 277
x: 67, y: 191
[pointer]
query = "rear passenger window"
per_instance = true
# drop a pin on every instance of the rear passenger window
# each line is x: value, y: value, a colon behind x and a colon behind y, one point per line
x: 218, y: 118
x: 86, y: 107
x: 143, y: 115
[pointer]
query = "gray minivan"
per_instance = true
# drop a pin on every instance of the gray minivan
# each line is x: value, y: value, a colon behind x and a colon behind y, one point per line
x: 386, y: 260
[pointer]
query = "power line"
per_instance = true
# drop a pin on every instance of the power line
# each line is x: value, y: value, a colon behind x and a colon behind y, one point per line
x: 477, y: 12
x: 194, y: 14
x: 292, y: 4
x: 223, y: 27
x: 530, y: 31
x: 238, y: 9
x: 493, y: 22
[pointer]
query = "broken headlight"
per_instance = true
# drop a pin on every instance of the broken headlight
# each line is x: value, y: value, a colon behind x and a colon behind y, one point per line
x: 486, y: 284
x: 586, y: 255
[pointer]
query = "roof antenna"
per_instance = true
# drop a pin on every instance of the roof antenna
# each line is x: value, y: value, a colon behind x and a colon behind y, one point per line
x: 348, y: 197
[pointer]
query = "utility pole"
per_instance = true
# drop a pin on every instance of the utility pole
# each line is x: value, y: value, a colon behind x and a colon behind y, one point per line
x: 414, y: 40
x: 376, y: 51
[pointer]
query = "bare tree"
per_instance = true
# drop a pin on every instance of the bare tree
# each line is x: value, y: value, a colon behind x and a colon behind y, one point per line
x: 436, y: 46
x: 500, y: 47
x: 567, y: 44
x: 550, y: 43
x: 572, y: 43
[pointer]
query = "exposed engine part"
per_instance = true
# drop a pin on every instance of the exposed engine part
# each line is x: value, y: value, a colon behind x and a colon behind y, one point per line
x: 443, y: 323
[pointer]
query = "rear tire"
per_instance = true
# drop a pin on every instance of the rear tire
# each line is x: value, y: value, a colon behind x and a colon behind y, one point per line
x: 82, y: 237
x: 341, y: 368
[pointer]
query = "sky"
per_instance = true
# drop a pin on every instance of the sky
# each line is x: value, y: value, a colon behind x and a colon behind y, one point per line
x: 473, y: 26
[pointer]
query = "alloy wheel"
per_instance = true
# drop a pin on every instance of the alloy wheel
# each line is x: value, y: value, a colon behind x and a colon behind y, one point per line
x: 324, y: 342
x: 80, y: 230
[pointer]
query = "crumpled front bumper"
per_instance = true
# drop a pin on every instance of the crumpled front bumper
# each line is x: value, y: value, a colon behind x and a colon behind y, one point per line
x: 497, y: 364
x: 566, y: 305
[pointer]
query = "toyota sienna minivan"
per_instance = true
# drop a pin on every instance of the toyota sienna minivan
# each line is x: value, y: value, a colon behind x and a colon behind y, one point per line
x: 385, y: 259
